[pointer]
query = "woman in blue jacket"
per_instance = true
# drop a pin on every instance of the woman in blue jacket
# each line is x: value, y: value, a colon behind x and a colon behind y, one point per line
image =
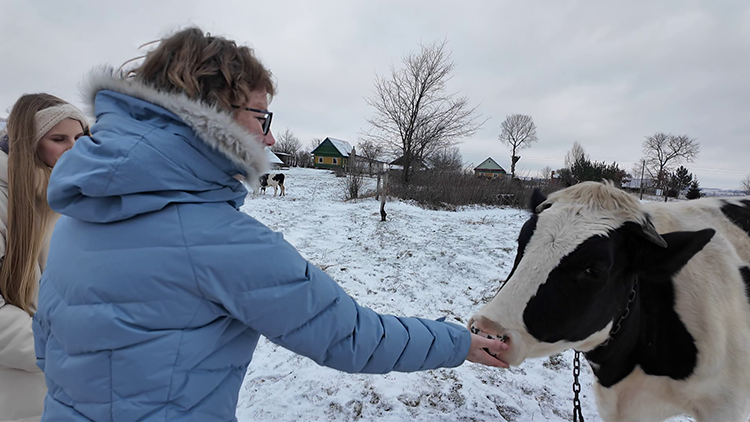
x: 157, y: 288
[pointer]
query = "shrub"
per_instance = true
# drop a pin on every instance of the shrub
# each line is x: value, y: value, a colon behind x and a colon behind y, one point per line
x: 449, y: 189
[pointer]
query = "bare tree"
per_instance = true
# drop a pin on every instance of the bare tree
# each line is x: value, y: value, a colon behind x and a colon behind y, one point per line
x: 314, y: 143
x: 304, y: 156
x: 545, y: 173
x: 414, y: 115
x: 371, y: 151
x: 662, y: 151
x: 287, y: 143
x: 448, y: 160
x: 519, y: 132
x: 575, y: 154
x: 745, y: 185
x: 354, y: 182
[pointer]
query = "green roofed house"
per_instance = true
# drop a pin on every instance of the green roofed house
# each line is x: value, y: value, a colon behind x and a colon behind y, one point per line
x: 490, y: 168
x: 331, y: 153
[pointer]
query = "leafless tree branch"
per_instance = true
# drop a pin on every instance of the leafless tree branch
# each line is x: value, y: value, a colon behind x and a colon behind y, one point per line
x: 663, y: 151
x: 745, y: 185
x: 287, y: 143
x: 518, y: 132
x: 414, y: 114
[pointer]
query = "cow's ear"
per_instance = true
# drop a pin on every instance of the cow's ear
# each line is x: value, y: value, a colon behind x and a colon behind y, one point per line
x: 537, y: 197
x: 681, y: 247
x: 648, y: 231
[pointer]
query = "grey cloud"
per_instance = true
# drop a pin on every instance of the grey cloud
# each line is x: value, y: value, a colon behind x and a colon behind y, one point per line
x: 604, y: 74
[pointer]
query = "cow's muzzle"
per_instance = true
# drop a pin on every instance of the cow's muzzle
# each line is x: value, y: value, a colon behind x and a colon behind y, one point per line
x: 484, y: 327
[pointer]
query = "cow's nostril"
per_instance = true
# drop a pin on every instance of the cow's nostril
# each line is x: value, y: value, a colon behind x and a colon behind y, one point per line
x: 474, y: 327
x: 491, y: 354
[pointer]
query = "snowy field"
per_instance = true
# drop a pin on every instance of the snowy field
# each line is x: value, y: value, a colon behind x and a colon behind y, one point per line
x: 419, y: 263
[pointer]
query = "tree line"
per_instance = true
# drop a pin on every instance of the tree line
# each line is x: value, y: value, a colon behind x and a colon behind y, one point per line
x: 416, y: 118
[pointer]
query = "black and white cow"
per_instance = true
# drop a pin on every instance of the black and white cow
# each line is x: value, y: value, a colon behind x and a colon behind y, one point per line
x: 657, y: 295
x: 276, y: 181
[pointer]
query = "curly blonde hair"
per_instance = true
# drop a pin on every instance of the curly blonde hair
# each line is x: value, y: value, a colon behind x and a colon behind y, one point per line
x: 210, y: 69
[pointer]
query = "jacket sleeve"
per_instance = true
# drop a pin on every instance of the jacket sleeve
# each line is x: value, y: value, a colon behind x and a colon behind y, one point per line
x: 266, y: 284
x: 16, y: 338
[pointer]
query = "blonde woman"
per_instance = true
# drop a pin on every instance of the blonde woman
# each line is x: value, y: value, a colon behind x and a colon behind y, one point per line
x: 40, y: 129
x: 157, y: 288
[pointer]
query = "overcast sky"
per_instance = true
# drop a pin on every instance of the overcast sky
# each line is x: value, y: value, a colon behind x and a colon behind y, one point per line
x: 603, y: 73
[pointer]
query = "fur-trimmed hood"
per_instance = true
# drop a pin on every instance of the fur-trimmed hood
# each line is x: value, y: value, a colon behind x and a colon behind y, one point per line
x: 217, y: 129
x: 149, y: 149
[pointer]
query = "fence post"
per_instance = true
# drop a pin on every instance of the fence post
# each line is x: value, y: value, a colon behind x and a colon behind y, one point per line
x: 383, y: 194
x: 377, y: 189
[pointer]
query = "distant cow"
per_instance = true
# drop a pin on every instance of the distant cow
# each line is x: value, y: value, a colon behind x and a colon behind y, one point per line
x: 276, y: 181
x: 657, y: 295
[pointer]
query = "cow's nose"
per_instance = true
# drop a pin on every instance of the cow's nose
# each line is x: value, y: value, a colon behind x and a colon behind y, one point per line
x: 483, y: 326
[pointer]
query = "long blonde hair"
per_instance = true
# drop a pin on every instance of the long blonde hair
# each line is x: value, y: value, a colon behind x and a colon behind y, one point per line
x: 28, y: 211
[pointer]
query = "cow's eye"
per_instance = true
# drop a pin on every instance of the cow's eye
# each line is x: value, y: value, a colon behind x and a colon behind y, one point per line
x: 590, y: 273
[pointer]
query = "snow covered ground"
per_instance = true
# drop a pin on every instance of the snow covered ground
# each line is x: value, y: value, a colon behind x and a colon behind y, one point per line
x: 419, y: 263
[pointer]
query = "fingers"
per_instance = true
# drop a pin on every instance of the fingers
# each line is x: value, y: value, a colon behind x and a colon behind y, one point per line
x: 493, y: 347
x: 487, y: 351
x: 488, y: 360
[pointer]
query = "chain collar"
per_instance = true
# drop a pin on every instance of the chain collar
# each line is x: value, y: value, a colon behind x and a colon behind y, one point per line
x: 618, y: 325
x: 577, y: 412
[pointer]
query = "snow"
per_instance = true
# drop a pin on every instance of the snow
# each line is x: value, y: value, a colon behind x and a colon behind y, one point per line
x: 418, y: 263
x: 272, y: 158
x: 345, y: 148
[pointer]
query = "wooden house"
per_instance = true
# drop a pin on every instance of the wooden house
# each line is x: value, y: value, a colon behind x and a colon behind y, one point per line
x: 490, y: 168
x: 331, y: 153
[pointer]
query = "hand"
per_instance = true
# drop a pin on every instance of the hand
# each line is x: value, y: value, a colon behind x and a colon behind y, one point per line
x: 477, y: 353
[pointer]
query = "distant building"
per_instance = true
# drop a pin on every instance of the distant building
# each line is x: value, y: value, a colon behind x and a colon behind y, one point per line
x: 416, y: 164
x: 273, y: 159
x: 490, y: 168
x: 331, y: 153
x: 367, y: 165
x: 635, y: 185
x: 289, y: 160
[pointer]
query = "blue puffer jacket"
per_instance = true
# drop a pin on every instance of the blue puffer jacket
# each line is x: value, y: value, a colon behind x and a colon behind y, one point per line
x: 157, y: 288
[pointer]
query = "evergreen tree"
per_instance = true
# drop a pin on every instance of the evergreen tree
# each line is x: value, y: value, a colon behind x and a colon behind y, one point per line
x: 694, y: 192
x: 679, y: 181
x: 584, y: 170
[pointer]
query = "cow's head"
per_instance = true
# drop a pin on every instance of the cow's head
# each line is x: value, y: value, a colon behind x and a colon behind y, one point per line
x: 578, y: 258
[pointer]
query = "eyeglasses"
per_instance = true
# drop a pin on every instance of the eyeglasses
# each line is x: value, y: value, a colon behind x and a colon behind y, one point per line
x: 265, y: 121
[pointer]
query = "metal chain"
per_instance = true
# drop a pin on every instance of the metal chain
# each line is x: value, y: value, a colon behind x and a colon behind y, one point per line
x: 577, y: 414
x: 618, y: 326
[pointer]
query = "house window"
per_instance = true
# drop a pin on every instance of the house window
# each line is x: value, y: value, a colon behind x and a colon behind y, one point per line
x: 320, y: 160
x: 335, y: 160
x: 494, y: 175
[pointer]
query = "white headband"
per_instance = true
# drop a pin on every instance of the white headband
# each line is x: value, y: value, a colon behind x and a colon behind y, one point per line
x: 47, y: 119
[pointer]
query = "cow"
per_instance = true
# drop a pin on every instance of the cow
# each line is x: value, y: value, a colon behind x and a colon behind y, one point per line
x: 276, y: 181
x: 656, y: 296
